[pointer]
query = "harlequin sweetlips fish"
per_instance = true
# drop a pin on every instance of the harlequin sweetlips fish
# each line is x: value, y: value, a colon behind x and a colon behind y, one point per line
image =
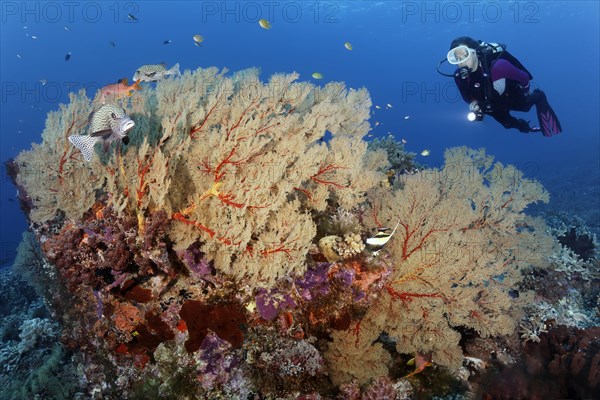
x: 155, y: 72
x: 107, y: 124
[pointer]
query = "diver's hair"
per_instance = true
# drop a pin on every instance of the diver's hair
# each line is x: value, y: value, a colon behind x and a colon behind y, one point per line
x: 469, y: 42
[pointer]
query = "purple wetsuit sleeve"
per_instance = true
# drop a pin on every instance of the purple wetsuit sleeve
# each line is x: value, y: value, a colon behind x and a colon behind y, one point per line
x: 504, y: 69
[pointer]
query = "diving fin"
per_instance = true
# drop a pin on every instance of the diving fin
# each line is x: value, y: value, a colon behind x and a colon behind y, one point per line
x: 549, y: 123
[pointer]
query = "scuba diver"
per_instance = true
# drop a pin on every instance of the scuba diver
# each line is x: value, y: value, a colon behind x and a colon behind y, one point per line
x: 494, y: 82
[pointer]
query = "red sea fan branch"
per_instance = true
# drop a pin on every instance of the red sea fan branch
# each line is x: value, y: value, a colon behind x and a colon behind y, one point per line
x: 181, y: 218
x: 318, y: 177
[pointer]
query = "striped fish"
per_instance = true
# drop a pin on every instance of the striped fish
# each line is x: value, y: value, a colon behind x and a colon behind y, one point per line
x: 377, y: 242
x: 107, y: 124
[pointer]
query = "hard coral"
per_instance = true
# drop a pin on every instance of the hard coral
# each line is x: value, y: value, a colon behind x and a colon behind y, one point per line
x: 381, y: 388
x: 284, y: 365
x: 580, y: 244
x: 564, y: 364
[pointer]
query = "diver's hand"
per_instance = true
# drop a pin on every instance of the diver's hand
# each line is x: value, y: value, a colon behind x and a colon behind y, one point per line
x: 525, y: 127
x: 533, y: 128
x: 464, y: 72
x: 474, y: 106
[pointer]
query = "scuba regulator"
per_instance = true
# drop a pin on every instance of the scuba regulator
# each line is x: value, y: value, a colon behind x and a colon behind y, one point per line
x: 487, y: 53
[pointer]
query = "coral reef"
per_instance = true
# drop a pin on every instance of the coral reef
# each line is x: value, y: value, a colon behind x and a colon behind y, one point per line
x: 401, y: 162
x: 581, y: 244
x: 565, y: 363
x: 462, y: 244
x: 553, y: 353
x: 221, y: 253
x: 33, y: 364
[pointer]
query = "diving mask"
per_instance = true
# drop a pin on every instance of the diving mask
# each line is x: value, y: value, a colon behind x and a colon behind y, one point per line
x: 459, y: 54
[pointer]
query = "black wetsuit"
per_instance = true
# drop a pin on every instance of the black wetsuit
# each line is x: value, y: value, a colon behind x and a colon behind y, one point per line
x: 515, y: 96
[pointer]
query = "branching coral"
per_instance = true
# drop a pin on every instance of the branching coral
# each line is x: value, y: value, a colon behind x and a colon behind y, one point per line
x: 201, y: 234
x: 582, y: 244
x: 237, y: 165
x: 460, y: 247
x: 52, y: 173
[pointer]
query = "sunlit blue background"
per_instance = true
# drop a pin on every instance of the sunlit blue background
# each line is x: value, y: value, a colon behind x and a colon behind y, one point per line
x: 397, y: 46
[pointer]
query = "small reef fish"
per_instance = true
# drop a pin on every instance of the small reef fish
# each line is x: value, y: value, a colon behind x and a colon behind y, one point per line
x: 112, y: 44
x: 169, y: 41
x: 155, y: 72
x: 119, y: 90
x: 67, y: 28
x: 132, y: 17
x: 425, y: 153
x: 198, y: 40
x: 317, y: 75
x: 388, y: 105
x: 348, y: 46
x: 377, y: 242
x: 68, y: 56
x: 420, y: 361
x: 406, y: 116
x: 264, y: 24
x: 107, y: 124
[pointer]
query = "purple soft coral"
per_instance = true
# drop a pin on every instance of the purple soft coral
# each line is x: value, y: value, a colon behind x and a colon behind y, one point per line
x: 345, y: 276
x: 196, y: 262
x: 314, y: 283
x: 218, y: 361
x: 270, y: 303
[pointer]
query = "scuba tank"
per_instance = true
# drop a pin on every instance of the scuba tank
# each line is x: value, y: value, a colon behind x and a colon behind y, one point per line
x: 498, y: 51
x: 488, y: 54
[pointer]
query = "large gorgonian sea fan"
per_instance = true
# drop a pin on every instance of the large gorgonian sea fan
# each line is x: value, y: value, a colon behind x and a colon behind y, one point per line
x: 239, y: 165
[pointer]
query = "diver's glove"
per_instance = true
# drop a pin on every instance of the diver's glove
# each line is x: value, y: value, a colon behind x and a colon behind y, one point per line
x: 523, y: 126
x: 474, y: 106
x: 524, y: 89
x: 464, y: 72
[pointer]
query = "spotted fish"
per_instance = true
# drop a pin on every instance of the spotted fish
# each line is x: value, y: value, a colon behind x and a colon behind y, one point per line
x: 107, y: 124
x: 155, y: 72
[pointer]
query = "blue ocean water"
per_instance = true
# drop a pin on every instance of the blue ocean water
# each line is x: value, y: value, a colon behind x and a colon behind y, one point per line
x: 396, y: 47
